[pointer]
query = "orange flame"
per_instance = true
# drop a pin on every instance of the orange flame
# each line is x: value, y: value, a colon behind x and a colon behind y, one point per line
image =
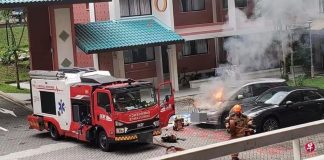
x: 219, y: 94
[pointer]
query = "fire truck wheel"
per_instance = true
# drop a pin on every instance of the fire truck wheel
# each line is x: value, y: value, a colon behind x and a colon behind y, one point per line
x: 53, y: 132
x: 103, y: 141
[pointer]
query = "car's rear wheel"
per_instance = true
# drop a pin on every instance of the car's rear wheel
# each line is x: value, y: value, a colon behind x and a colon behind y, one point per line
x: 270, y: 124
x: 103, y: 141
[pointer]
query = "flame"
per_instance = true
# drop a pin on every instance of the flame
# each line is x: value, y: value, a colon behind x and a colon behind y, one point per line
x: 219, y: 94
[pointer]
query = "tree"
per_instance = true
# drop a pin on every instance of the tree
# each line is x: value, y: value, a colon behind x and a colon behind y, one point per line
x: 11, y: 53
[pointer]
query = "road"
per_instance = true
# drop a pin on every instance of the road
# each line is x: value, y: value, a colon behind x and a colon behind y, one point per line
x: 19, y: 142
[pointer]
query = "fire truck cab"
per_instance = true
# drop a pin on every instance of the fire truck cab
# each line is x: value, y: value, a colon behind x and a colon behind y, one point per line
x: 94, y: 106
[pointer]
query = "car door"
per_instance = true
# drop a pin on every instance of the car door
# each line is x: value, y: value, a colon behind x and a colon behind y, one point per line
x: 290, y: 114
x: 166, y: 103
x: 311, y: 109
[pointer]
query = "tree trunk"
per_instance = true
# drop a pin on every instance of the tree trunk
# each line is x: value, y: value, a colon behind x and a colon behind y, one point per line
x: 17, y: 70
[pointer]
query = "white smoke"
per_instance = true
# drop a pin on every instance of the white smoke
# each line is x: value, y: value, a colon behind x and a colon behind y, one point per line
x: 251, y: 51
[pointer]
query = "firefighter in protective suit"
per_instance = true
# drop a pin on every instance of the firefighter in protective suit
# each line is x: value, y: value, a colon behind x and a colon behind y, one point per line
x: 238, y: 125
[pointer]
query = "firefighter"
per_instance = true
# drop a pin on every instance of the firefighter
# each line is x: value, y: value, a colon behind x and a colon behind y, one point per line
x: 238, y: 125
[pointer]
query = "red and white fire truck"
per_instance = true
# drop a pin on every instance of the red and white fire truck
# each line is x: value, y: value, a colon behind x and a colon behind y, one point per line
x: 94, y: 106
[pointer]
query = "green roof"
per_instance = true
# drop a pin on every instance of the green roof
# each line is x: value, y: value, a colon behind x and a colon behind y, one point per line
x: 117, y: 35
x: 20, y: 3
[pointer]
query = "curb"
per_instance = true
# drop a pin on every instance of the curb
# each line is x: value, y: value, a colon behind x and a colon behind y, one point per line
x: 15, y: 100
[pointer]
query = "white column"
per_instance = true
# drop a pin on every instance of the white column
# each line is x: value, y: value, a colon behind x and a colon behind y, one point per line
x: 64, y: 38
x: 119, y: 64
x: 93, y: 19
x: 232, y: 14
x: 296, y: 149
x: 159, y: 65
x: 172, y: 54
x: 114, y: 10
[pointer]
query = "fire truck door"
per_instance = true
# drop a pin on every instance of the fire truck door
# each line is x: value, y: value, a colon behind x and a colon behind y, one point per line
x: 103, y: 111
x: 166, y: 102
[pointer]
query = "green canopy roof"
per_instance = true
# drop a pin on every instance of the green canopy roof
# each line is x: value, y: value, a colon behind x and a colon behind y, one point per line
x: 108, y: 36
x: 21, y: 3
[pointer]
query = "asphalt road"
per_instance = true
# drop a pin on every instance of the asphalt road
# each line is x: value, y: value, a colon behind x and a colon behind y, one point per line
x: 19, y: 142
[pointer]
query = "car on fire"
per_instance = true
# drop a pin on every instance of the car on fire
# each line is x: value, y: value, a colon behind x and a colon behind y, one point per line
x: 233, y: 93
x: 285, y: 106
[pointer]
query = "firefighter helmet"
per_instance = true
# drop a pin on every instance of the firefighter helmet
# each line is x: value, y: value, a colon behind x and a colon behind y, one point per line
x: 237, y: 109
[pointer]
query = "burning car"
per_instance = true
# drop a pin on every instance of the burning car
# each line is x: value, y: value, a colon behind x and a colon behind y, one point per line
x: 214, y: 106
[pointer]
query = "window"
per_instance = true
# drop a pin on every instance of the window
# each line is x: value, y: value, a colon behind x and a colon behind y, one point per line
x: 48, y: 102
x: 238, y: 3
x: 295, y: 97
x: 135, y: 8
x: 311, y: 95
x: 139, y: 55
x: 246, y: 92
x: 195, y: 47
x: 259, y: 89
x: 192, y: 5
x: 103, y: 100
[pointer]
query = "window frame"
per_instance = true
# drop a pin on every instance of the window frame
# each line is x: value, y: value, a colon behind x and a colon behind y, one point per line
x: 191, y: 9
x: 195, y: 53
x: 134, y: 62
x: 225, y: 4
x: 129, y: 9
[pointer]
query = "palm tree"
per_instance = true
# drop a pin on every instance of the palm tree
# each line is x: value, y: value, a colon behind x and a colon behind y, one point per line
x: 13, y: 48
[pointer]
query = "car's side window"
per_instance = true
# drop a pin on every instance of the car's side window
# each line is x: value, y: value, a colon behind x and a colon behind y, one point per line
x: 311, y: 95
x: 259, y: 88
x: 295, y: 97
x: 246, y: 92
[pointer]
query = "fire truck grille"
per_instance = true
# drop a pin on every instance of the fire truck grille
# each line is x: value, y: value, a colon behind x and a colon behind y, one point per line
x: 140, y: 127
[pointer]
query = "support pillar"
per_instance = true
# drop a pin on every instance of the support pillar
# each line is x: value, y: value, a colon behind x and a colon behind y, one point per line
x: 172, y: 55
x: 63, y: 46
x: 232, y: 14
x: 93, y: 19
x: 119, y: 64
x: 296, y: 149
x: 217, y: 52
x: 159, y: 65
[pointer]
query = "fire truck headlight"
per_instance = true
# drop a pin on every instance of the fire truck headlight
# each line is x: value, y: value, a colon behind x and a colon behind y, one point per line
x: 156, y: 123
x: 118, y: 124
x: 120, y: 130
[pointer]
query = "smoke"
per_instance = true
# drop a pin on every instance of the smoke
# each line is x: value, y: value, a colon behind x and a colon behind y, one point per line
x: 264, y: 47
x: 271, y: 18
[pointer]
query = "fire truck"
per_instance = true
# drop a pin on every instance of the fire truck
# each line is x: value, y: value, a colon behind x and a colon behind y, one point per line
x: 93, y: 106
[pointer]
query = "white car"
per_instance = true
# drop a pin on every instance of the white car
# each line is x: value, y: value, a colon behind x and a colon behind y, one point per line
x: 221, y: 102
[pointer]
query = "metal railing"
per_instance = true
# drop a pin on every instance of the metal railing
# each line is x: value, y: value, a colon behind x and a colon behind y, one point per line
x: 251, y: 142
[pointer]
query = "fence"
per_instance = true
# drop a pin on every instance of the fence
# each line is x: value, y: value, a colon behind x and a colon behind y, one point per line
x: 252, y: 142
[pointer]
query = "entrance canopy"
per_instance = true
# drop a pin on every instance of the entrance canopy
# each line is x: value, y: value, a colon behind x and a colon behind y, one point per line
x: 118, y: 35
x: 23, y: 3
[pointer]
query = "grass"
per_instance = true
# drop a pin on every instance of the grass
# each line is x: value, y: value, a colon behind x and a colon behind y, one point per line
x: 317, y: 82
x: 11, y: 89
x: 8, y: 75
x: 17, y: 31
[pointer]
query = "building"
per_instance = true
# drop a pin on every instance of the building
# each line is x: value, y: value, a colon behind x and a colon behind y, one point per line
x: 153, y: 40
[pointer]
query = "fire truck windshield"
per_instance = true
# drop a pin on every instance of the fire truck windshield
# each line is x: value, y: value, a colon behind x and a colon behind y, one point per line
x: 134, y: 98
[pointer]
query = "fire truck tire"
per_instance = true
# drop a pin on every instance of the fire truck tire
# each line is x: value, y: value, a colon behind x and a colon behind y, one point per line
x: 103, y: 141
x: 54, y: 132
